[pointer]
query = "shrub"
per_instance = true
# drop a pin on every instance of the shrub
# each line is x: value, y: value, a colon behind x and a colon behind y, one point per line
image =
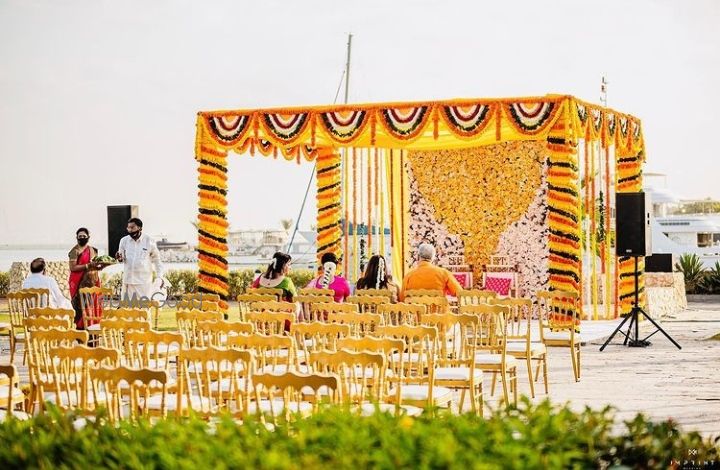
x: 4, y: 283
x: 710, y: 283
x: 693, y: 271
x: 301, y: 277
x: 530, y: 436
x: 112, y: 281
x: 182, y: 282
x: 239, y: 282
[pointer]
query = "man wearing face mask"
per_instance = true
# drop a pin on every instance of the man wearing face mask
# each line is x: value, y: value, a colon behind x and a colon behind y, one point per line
x: 140, y: 254
x: 83, y: 272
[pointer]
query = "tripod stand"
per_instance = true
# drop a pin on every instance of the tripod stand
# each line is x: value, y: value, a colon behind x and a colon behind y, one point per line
x: 632, y: 336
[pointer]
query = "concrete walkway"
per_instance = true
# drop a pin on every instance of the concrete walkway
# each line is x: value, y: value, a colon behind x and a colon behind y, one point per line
x: 659, y: 380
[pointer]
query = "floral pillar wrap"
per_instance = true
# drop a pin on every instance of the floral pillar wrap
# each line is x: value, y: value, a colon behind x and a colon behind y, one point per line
x: 212, y: 222
x: 329, y: 234
x: 563, y: 206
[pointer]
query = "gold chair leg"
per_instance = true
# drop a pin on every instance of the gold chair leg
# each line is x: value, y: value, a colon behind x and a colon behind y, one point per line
x: 492, y: 387
x: 462, y: 400
x: 515, y: 388
x: 13, y: 344
x: 506, y: 394
x: 545, y: 372
x: 574, y: 363
x: 578, y: 362
x: 530, y: 376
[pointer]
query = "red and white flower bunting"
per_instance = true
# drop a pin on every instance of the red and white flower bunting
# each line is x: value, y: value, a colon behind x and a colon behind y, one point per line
x: 466, y: 121
x: 405, y: 123
x: 343, y: 126
x: 531, y: 117
x: 285, y: 127
x: 228, y: 129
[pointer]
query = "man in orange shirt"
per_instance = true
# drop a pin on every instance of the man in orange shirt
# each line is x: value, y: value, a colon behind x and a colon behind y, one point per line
x: 427, y: 276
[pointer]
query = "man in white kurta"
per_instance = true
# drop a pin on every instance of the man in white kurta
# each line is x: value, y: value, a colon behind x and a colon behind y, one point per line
x: 38, y: 280
x: 140, y: 254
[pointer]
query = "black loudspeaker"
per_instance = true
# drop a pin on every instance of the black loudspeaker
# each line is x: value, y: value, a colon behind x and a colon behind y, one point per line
x: 117, y: 219
x: 659, y: 263
x: 633, y: 232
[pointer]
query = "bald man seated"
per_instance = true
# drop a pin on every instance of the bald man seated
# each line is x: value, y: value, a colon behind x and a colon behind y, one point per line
x: 38, y: 280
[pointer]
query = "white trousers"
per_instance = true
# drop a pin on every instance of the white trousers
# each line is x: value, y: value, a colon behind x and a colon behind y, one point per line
x: 136, y: 291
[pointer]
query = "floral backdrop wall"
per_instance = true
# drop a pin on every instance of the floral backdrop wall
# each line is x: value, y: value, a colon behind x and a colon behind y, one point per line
x: 483, y: 201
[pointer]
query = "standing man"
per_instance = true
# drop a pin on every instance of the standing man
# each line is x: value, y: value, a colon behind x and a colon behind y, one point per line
x: 139, y: 253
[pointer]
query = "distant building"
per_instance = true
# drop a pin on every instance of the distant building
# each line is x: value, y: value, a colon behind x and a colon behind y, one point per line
x: 304, y: 244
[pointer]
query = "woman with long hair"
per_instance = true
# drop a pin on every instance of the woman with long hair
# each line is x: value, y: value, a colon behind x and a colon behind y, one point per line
x: 329, y: 280
x: 276, y: 276
x: 377, y: 277
x: 83, y: 272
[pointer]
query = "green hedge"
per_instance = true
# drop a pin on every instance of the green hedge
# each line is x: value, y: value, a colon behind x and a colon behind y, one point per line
x: 185, y: 281
x: 531, y: 436
x: 4, y: 283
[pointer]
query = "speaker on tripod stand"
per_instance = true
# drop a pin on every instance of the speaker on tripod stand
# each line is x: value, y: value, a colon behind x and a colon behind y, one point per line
x: 633, y: 237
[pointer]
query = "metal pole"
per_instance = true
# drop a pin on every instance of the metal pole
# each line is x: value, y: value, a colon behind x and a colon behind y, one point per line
x: 347, y: 68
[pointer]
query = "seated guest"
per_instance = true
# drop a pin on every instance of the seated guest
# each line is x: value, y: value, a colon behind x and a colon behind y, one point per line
x: 425, y: 275
x: 328, y: 279
x: 376, y: 277
x: 38, y: 280
x: 276, y: 277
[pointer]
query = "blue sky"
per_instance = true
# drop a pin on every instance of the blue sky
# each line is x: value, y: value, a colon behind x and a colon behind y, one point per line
x: 98, y: 98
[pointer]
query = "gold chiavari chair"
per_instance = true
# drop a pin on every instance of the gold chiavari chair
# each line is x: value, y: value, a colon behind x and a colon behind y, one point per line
x: 278, y: 293
x: 559, y: 314
x: 361, y: 324
x: 386, y: 293
x: 402, y: 313
x: 362, y: 376
x: 246, y: 300
x: 201, y: 297
x: 187, y: 323
x: 18, y: 304
x: 213, y: 380
x: 216, y: 333
x: 434, y: 304
x: 10, y: 395
x: 127, y: 314
x: 40, y: 345
x: 205, y: 305
x: 153, y: 349
x: 316, y: 336
x: 46, y: 324
x: 316, y: 291
x: 417, y: 365
x: 112, y: 332
x: 271, y: 323
x: 47, y: 312
x: 456, y: 362
x: 476, y: 296
x: 71, y: 369
x: 147, y: 305
x: 92, y: 300
x: 367, y: 303
x: 520, y: 344
x: 320, y: 311
x: 145, y: 388
x: 423, y: 293
x: 491, y: 346
x: 275, y: 354
x: 42, y: 297
x: 306, y: 300
x: 281, y: 396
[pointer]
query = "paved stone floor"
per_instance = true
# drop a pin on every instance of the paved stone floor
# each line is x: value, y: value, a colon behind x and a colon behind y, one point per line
x: 659, y: 380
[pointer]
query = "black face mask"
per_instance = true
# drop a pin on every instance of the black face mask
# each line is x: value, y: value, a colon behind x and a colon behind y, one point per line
x: 83, y: 241
x: 135, y: 235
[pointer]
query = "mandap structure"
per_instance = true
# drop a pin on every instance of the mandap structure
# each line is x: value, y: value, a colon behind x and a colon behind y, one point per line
x: 531, y: 179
